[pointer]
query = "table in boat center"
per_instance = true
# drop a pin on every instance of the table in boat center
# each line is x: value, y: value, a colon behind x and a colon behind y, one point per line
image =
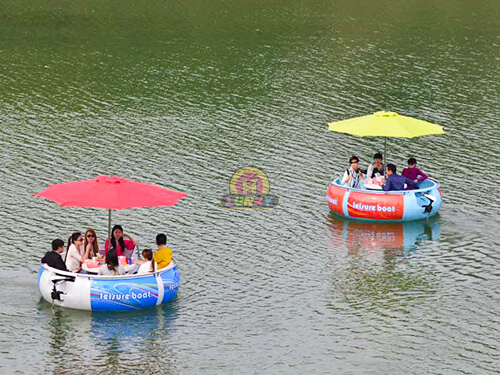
x: 128, y: 267
x: 372, y: 186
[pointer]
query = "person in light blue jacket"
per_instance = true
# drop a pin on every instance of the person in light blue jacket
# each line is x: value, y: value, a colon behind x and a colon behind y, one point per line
x: 353, y: 175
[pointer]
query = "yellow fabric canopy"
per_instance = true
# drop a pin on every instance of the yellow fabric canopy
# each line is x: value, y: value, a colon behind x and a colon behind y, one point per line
x: 385, y: 124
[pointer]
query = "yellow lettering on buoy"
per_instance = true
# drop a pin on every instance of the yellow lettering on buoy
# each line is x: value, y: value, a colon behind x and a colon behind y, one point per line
x: 248, y: 201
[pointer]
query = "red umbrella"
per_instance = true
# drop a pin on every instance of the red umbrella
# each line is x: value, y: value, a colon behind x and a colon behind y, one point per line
x: 113, y: 193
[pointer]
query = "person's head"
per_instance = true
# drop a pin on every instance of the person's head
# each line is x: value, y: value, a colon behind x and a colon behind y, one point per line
x: 58, y: 245
x: 112, y: 260
x: 412, y: 162
x: 91, y: 237
x: 354, y: 162
x: 377, y: 158
x: 117, y: 232
x: 76, y: 239
x: 147, y: 254
x: 390, y: 169
x: 161, y: 240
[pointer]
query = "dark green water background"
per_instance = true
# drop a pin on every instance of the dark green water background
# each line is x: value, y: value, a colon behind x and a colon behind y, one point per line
x: 182, y: 94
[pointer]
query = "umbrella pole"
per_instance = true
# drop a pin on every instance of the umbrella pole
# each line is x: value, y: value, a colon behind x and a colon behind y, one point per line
x: 385, y: 151
x: 109, y: 226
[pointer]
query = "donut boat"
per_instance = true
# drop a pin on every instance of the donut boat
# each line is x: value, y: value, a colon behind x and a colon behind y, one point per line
x: 108, y: 293
x: 379, y: 205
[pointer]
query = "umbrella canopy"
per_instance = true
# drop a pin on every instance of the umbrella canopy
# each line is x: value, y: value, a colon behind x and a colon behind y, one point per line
x: 112, y: 193
x: 385, y: 124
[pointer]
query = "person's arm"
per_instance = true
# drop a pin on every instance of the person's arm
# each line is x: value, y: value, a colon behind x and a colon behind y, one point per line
x: 410, y: 182
x: 129, y: 244
x: 346, y: 178
x: 87, y: 251
x: 421, y: 176
x: 60, y: 265
x: 361, y: 175
x: 387, y: 185
x: 369, y: 171
x: 169, y: 257
x: 130, y: 240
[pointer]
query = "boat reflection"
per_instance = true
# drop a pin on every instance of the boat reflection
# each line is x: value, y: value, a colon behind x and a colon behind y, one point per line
x: 116, y: 342
x: 136, y: 333
x: 372, y: 236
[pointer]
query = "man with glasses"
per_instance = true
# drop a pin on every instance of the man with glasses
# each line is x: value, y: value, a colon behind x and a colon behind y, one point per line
x: 353, y: 176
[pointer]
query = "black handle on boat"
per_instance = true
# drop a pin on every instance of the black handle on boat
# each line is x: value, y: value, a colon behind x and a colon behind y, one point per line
x: 56, y: 294
x: 432, y: 199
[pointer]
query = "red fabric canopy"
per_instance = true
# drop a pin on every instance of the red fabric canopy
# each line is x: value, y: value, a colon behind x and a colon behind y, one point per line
x: 113, y: 193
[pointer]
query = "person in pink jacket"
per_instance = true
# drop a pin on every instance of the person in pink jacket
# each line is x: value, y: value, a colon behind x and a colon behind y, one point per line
x: 118, y: 241
x: 413, y: 173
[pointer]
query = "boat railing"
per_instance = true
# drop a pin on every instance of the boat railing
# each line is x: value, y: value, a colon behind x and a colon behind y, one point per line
x: 434, y: 184
x: 58, y: 272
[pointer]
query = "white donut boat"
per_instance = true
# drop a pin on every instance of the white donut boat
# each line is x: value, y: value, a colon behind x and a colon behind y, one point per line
x: 108, y: 293
x: 379, y: 205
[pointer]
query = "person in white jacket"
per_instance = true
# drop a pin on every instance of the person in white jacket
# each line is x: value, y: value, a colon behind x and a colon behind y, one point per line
x: 74, y: 256
x: 149, y: 264
x: 353, y: 175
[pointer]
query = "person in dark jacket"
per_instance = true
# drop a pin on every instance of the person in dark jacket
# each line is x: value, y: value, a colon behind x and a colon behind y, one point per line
x: 53, y: 258
x: 395, y: 181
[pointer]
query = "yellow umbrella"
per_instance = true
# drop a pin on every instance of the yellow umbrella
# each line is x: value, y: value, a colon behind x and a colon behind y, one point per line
x: 385, y: 124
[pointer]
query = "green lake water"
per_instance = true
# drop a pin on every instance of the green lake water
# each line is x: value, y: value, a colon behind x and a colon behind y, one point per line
x: 182, y: 94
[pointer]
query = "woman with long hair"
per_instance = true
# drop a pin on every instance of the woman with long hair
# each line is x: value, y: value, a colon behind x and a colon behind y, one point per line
x: 111, y: 267
x: 149, y: 264
x: 118, y: 241
x: 74, y: 258
x: 90, y: 244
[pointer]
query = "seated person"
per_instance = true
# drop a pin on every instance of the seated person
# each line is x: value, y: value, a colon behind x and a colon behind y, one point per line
x: 376, y: 167
x: 53, y: 258
x: 148, y: 265
x: 118, y: 242
x: 74, y: 255
x: 395, y: 181
x: 413, y: 173
x: 90, y: 244
x: 111, y: 268
x: 163, y: 256
x: 353, y: 176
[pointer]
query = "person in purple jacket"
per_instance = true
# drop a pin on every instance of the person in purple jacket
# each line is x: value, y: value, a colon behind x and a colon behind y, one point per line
x: 413, y: 173
x: 395, y: 181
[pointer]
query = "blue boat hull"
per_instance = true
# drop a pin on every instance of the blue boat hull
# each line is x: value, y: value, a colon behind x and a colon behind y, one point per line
x: 109, y: 293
